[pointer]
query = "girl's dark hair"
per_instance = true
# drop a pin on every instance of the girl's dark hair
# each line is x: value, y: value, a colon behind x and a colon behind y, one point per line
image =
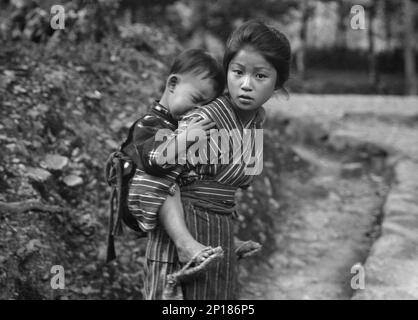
x: 268, y: 41
x: 198, y: 61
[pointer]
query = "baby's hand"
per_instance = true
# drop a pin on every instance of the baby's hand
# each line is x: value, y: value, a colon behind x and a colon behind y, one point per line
x: 245, y: 249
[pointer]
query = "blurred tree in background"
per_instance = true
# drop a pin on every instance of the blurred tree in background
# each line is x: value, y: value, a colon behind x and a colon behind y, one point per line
x: 410, y: 47
x: 384, y: 52
x: 381, y: 58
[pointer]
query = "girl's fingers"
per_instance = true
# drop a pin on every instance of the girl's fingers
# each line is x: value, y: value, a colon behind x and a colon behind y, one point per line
x: 199, y: 126
x: 194, y: 120
x: 192, y: 123
x: 203, y: 122
x: 197, y: 120
x: 209, y: 125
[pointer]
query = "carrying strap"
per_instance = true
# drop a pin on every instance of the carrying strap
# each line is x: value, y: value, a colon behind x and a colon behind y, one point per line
x: 114, y: 172
x: 130, y: 136
x: 111, y: 252
x: 114, y: 178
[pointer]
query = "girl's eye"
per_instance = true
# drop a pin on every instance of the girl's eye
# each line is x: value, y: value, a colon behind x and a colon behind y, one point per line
x: 237, y: 71
x: 261, y: 76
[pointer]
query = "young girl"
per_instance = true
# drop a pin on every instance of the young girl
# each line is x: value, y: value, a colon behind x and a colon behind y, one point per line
x: 257, y: 62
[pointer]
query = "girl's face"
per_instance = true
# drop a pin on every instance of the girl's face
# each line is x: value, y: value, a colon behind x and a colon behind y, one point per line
x: 251, y: 79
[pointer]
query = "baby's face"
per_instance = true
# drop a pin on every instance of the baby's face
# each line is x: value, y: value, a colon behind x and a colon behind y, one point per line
x: 190, y: 91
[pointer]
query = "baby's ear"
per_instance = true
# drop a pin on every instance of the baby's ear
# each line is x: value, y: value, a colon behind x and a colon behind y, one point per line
x: 172, y: 81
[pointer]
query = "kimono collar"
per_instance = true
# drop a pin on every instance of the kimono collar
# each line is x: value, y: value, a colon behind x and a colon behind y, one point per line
x: 258, y: 118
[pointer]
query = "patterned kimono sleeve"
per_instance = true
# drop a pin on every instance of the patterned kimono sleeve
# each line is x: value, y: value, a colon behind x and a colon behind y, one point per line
x: 148, y: 137
x: 154, y: 151
x: 147, y: 191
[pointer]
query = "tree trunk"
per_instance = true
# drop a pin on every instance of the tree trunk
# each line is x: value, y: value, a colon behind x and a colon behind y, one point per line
x: 341, y: 30
x: 409, y: 53
x: 373, y: 71
x: 388, y: 24
x: 300, y: 54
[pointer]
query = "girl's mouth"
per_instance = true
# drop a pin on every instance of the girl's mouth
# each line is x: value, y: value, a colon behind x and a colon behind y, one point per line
x: 245, y: 99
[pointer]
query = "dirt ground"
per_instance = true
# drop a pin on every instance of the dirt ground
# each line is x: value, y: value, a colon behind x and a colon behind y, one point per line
x: 331, y: 219
x: 347, y: 211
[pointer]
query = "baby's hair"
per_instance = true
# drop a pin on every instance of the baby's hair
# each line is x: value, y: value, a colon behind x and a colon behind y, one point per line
x: 198, y: 61
x: 268, y: 41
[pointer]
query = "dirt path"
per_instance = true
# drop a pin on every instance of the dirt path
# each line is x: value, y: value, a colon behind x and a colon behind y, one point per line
x: 331, y: 222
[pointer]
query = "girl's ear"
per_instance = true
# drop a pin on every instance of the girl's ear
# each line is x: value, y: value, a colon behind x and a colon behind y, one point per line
x: 172, y: 81
x: 278, y: 85
x: 281, y: 93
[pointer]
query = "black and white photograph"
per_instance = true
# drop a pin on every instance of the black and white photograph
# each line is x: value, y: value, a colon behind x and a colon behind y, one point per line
x: 233, y: 151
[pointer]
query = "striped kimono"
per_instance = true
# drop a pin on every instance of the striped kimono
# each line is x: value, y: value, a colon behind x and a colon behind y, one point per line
x: 149, y: 188
x: 208, y: 198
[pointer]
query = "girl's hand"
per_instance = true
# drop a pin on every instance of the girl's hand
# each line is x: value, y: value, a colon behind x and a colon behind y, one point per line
x: 198, y: 128
x: 200, y: 124
x: 189, y: 131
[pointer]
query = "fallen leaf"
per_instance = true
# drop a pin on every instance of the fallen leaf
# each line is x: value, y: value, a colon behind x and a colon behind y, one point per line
x: 96, y: 95
x: 88, y: 290
x: 56, y: 162
x: 33, y: 245
x: 112, y: 144
x: 10, y: 75
x: 116, y: 125
x: 73, y: 180
x: 6, y: 138
x: 19, y: 89
x: 38, y: 174
x: 33, y: 113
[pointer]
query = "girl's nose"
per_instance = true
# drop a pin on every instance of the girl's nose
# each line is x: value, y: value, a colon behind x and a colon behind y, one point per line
x: 246, y: 83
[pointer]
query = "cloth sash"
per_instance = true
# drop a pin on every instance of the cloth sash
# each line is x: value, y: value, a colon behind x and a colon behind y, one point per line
x: 211, y: 195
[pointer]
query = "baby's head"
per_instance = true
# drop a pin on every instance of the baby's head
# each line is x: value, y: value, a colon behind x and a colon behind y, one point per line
x: 195, y: 79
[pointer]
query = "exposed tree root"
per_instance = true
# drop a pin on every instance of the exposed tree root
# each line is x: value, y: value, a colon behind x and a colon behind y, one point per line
x: 28, y: 205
